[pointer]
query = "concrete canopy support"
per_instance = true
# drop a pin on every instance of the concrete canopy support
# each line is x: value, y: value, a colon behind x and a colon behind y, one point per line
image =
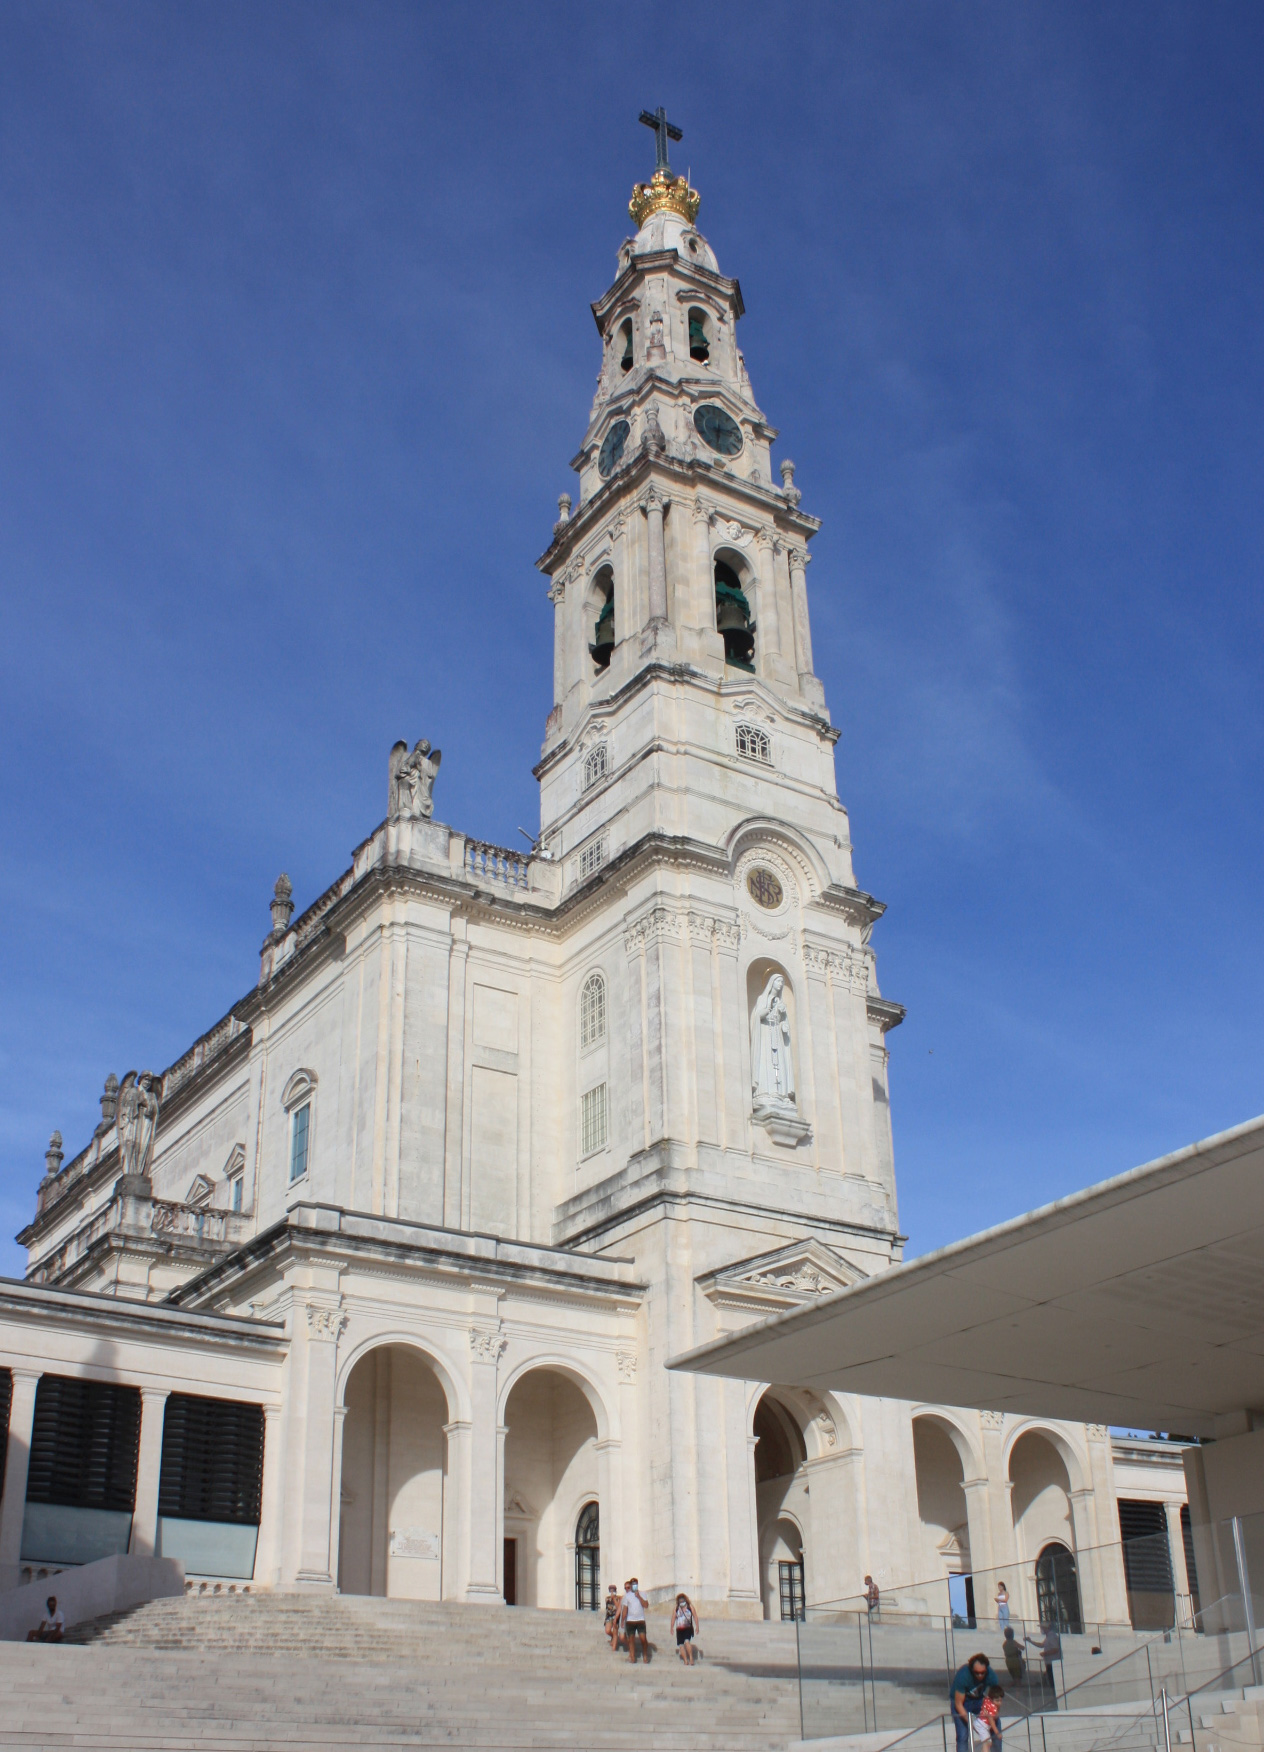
x: 153, y: 1410
x: 17, y: 1460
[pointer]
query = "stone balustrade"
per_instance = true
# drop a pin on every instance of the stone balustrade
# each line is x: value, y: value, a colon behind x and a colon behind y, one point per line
x: 497, y: 864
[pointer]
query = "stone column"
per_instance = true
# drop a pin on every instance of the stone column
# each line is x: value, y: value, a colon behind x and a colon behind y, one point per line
x: 455, y: 1570
x: 979, y: 1523
x: 557, y: 596
x: 486, y: 1500
x: 268, y: 1551
x: 1092, y: 1604
x: 17, y: 1460
x: 314, y: 1469
x: 153, y: 1408
x: 767, y: 615
x: 654, y: 506
x: 610, y: 1507
x: 799, y: 558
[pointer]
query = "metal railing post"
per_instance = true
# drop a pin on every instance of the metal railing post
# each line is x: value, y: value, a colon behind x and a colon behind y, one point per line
x: 1167, y: 1732
x: 1239, y: 1556
x: 798, y: 1661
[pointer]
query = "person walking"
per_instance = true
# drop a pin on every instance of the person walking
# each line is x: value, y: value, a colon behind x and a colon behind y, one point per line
x: 685, y: 1621
x: 611, y: 1625
x: 1049, y: 1648
x: 970, y: 1685
x: 873, y: 1598
x: 1013, y: 1655
x: 634, y: 1607
x: 1002, y: 1607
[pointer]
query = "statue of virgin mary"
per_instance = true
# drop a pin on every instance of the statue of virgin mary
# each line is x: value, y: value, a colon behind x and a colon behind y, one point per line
x: 772, y: 1067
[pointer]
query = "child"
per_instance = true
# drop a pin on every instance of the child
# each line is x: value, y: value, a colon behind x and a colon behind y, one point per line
x: 987, y: 1724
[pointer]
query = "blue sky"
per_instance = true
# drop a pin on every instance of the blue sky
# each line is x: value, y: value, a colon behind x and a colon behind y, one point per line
x: 294, y: 351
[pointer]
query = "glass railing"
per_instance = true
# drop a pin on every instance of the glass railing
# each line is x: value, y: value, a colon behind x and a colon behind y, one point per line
x: 1107, y: 1686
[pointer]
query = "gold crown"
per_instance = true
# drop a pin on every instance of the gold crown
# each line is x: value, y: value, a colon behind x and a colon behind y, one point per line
x: 662, y: 193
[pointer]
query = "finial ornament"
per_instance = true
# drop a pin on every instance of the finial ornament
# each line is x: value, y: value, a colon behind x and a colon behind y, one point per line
x: 663, y: 192
x: 53, y: 1156
x: 788, y: 488
x: 282, y: 905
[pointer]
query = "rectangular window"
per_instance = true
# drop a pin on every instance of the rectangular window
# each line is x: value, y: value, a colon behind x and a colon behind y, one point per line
x: 298, y: 1141
x: 790, y: 1578
x: 592, y: 1117
x: 592, y: 858
x: 235, y: 1192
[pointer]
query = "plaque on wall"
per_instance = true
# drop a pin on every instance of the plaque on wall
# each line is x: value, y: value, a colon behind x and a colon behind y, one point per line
x: 414, y: 1542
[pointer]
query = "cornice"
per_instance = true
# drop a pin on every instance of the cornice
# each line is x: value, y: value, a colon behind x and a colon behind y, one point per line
x: 667, y: 261
x: 86, y: 1308
x: 325, y: 1231
x: 691, y: 475
x: 885, y: 1013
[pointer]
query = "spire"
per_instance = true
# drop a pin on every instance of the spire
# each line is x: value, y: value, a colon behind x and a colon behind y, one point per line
x: 663, y: 192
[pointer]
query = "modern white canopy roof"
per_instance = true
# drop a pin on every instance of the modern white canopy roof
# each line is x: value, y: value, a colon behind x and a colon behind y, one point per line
x: 1137, y: 1302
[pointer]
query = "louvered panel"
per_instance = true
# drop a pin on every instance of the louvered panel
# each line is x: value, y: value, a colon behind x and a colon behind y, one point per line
x: 84, y: 1441
x: 6, y: 1406
x: 1147, y: 1554
x: 212, y: 1460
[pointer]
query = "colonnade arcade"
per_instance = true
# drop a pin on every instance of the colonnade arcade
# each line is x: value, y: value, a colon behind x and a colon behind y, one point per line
x: 414, y: 1487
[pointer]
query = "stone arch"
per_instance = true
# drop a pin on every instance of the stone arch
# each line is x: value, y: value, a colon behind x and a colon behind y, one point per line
x: 454, y: 1387
x: 808, y: 1409
x: 735, y: 584
x: 1040, y: 1465
x: 396, y: 1512
x: 576, y: 1372
x: 942, y: 1461
x: 759, y: 831
x: 968, y: 1450
x: 601, y: 613
x: 551, y: 1470
x: 299, y: 1087
x: 1056, y: 1438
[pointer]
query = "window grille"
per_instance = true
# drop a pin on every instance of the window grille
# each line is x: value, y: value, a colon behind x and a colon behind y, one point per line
x: 1191, y: 1567
x: 592, y: 1011
x: 592, y: 1117
x: 790, y: 1576
x: 596, y: 766
x: 84, y: 1442
x: 588, y: 1560
x: 591, y: 859
x: 299, y: 1128
x: 1147, y: 1564
x: 753, y: 744
x: 212, y: 1460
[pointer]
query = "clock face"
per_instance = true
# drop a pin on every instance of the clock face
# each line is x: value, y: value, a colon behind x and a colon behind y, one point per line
x: 612, y: 448
x: 764, y: 889
x: 718, y: 429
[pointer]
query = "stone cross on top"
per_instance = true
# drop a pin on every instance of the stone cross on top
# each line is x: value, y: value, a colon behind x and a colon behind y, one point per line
x: 663, y: 132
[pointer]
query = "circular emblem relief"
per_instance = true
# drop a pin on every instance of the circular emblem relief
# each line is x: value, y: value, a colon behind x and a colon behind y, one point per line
x: 612, y: 448
x: 764, y: 889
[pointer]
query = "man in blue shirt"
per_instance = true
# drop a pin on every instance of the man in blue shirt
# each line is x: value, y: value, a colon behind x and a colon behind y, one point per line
x: 968, y: 1689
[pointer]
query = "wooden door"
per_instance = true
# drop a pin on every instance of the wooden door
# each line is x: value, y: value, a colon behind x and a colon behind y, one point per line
x: 511, y: 1572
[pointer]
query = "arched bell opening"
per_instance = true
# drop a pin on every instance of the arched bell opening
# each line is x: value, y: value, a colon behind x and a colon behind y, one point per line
x: 602, y: 607
x: 550, y: 1482
x: 623, y: 345
x: 394, y: 1477
x: 733, y: 618
x: 699, y: 335
x: 781, y: 1505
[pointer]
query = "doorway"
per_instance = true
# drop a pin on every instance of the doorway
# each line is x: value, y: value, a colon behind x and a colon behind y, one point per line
x: 511, y: 1572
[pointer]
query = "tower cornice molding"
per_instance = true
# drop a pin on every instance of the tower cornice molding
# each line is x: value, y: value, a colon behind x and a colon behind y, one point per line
x: 688, y: 476
x: 667, y: 261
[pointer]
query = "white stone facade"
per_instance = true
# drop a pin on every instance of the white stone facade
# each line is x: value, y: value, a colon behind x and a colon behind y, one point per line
x: 483, y: 1149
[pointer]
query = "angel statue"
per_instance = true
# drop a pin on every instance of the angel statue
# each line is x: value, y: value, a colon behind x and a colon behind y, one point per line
x: 137, y: 1120
x: 772, y: 1069
x: 413, y: 781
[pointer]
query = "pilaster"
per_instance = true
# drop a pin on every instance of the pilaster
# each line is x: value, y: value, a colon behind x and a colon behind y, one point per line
x: 153, y: 1408
x: 16, y: 1462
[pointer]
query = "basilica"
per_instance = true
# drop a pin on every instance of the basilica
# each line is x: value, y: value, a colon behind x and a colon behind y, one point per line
x: 375, y: 1287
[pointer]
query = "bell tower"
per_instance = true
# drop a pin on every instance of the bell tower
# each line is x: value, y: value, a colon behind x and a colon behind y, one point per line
x: 682, y: 639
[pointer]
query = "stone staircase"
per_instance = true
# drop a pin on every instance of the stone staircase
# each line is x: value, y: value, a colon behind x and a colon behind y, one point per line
x: 262, y: 1671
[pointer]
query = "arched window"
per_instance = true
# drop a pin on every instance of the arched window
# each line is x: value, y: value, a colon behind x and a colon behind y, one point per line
x: 603, y: 631
x: 733, y: 619
x: 592, y: 1011
x: 753, y: 744
x: 297, y: 1100
x: 625, y: 345
x: 699, y: 335
x: 588, y: 1560
x: 1058, y: 1589
x: 596, y: 766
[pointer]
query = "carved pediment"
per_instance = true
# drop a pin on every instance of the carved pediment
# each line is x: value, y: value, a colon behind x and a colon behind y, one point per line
x: 792, y: 1275
x: 200, y: 1192
x: 516, y: 1505
x: 955, y: 1546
